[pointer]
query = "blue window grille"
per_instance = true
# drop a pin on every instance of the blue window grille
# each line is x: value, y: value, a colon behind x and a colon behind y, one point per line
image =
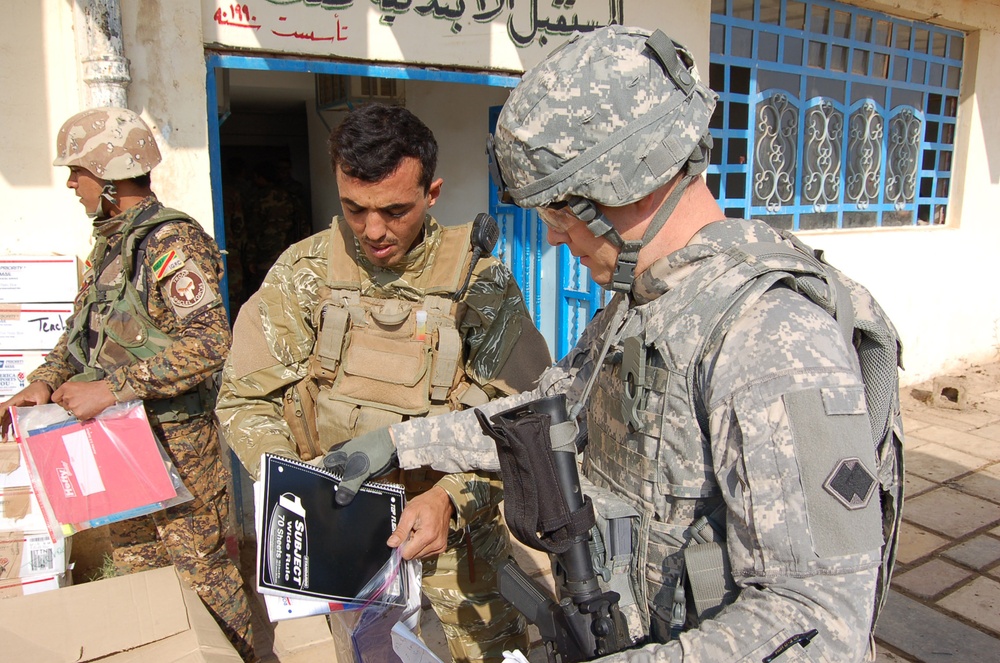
x: 831, y: 116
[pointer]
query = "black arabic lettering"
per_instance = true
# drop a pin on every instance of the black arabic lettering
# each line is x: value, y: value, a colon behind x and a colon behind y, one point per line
x: 396, y: 6
x: 484, y: 15
x: 434, y: 7
x: 523, y: 39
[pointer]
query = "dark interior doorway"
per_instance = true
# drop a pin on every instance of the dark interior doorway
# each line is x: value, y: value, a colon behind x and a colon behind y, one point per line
x: 266, y: 191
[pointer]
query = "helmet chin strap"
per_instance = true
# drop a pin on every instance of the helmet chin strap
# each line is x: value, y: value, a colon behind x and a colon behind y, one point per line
x: 108, y: 193
x: 628, y: 252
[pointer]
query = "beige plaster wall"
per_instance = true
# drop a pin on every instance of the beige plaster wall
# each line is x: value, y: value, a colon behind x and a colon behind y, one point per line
x: 38, y: 73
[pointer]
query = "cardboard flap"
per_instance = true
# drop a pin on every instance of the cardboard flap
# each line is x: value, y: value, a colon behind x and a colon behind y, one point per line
x: 10, y: 457
x: 93, y: 620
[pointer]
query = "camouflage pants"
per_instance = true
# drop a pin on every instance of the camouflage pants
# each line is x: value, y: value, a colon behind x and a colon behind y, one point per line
x: 461, y: 585
x: 192, y: 536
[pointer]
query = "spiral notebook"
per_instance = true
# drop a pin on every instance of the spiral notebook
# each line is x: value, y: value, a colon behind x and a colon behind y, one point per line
x: 309, y: 546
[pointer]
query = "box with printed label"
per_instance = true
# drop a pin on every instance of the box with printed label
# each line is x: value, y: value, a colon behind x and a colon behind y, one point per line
x: 32, y: 326
x: 38, y: 278
x: 15, y: 368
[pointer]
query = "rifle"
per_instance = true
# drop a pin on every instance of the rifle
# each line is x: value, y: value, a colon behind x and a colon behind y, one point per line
x: 546, y: 510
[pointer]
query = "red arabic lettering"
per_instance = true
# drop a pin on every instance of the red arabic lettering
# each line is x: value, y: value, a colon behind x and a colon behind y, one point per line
x: 340, y: 35
x: 238, y: 16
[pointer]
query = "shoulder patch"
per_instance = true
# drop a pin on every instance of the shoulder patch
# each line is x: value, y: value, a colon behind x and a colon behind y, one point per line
x: 851, y: 483
x: 187, y: 290
x: 168, y: 263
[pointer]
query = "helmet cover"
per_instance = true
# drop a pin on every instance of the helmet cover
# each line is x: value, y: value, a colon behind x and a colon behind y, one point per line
x: 601, y: 119
x: 110, y: 143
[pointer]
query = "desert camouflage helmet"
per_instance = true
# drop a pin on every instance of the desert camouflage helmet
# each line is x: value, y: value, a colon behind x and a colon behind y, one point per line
x: 111, y: 143
x: 610, y: 116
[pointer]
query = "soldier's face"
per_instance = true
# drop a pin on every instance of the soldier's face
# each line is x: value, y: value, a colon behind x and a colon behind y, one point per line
x: 87, y: 187
x: 387, y: 217
x: 595, y: 253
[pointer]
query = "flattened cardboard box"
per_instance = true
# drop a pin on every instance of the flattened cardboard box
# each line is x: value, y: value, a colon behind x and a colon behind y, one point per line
x: 149, y: 617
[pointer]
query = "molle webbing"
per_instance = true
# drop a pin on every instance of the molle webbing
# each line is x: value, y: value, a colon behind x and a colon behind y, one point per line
x: 380, y: 358
x: 445, y: 276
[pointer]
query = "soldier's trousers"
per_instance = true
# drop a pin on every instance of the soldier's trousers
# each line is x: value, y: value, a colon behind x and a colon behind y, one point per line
x: 192, y: 536
x: 462, y: 588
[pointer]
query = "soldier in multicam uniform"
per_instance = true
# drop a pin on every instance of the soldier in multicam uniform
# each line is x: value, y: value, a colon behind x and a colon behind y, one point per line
x: 153, y: 275
x: 366, y: 324
x: 755, y: 437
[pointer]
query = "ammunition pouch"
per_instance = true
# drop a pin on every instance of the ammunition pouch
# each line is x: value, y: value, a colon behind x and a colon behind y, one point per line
x: 615, y: 552
x: 299, y: 411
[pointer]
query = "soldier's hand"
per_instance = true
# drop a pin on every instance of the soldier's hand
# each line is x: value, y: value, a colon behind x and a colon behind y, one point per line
x: 356, y: 460
x: 36, y: 393
x: 84, y: 400
x: 423, y: 525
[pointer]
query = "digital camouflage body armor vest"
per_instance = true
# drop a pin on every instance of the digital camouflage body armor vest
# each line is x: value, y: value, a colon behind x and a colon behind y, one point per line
x: 112, y: 327
x: 378, y: 361
x: 646, y: 398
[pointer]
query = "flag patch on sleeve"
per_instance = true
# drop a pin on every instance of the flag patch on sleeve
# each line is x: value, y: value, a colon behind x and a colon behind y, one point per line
x: 168, y: 263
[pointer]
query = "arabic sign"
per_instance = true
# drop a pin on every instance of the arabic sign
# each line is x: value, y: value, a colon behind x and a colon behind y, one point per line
x: 509, y: 35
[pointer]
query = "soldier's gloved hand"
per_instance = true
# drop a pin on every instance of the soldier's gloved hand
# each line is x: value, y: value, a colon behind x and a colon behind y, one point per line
x: 356, y: 460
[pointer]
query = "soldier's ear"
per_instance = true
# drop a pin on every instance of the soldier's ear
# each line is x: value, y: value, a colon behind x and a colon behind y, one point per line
x: 433, y: 191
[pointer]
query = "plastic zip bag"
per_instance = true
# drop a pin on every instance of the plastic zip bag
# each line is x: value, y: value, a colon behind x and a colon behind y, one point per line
x: 384, y: 631
x: 91, y: 473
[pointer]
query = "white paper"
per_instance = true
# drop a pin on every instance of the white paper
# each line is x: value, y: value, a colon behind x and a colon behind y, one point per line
x: 81, y: 458
x: 409, y: 647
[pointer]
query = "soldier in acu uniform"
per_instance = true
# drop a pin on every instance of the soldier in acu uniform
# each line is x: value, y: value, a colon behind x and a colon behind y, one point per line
x: 148, y: 324
x: 384, y: 317
x: 729, y: 427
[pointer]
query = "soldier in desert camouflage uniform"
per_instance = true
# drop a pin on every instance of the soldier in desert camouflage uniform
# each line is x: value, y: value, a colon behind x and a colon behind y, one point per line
x: 148, y: 324
x: 366, y: 324
x: 752, y: 436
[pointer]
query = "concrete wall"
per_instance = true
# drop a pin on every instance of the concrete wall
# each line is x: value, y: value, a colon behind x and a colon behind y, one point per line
x: 936, y: 283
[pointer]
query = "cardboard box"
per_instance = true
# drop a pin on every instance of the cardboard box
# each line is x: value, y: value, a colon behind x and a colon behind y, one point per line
x: 11, y: 589
x: 38, y: 279
x: 149, y: 617
x: 311, y: 640
x: 15, y: 368
x: 33, y: 326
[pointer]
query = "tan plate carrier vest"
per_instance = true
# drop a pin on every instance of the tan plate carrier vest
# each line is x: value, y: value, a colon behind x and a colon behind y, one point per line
x: 379, y: 361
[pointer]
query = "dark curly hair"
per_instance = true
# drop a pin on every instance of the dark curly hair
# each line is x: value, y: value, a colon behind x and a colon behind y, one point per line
x: 373, y: 139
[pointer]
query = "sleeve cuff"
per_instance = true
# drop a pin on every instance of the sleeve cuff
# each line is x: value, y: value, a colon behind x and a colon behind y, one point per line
x: 278, y: 446
x: 462, y: 498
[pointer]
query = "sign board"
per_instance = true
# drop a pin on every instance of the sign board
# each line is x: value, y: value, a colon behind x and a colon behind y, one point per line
x: 504, y: 35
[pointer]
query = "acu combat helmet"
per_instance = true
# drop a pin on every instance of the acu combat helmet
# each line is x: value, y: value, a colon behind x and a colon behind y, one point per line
x: 608, y: 117
x: 111, y: 143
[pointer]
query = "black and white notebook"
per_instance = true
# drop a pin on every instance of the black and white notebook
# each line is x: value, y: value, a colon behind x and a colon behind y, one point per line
x: 308, y: 546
